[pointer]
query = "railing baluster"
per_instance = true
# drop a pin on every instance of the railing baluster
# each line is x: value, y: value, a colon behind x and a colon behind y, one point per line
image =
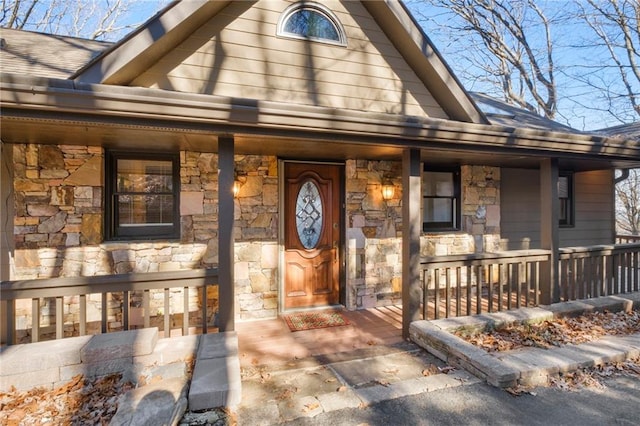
x: 478, y: 271
x: 510, y: 281
x: 146, y: 308
x: 59, y: 317
x: 82, y: 311
x: 458, y: 292
x: 125, y: 309
x: 35, y: 319
x: 167, y: 314
x: 469, y: 289
x: 519, y: 274
x: 447, y: 292
x: 436, y: 296
x: 500, y: 288
x: 103, y: 320
x: 185, y: 311
x: 489, y: 283
x: 204, y: 309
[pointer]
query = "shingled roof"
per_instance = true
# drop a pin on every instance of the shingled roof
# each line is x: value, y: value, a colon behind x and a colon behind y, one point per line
x: 45, y: 55
x: 500, y: 113
x: 625, y: 131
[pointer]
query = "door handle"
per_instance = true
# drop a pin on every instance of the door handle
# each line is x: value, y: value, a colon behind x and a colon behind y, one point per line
x: 335, y: 251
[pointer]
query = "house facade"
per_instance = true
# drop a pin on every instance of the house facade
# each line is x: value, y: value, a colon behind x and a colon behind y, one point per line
x: 312, y: 152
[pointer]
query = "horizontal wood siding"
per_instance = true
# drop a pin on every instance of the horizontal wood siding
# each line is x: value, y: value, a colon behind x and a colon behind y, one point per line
x: 238, y: 54
x: 520, y: 211
x: 594, y: 206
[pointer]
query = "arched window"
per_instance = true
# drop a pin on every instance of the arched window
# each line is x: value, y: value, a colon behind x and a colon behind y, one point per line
x: 311, y: 21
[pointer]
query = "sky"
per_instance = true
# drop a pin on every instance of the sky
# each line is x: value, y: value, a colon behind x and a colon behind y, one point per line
x: 574, y: 96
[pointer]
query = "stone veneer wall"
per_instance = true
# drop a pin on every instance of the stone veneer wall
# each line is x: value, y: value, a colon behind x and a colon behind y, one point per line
x: 374, y: 245
x: 58, y: 227
x: 256, y: 236
x: 58, y: 222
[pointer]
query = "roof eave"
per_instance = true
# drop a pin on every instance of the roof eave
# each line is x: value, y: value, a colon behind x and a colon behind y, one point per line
x: 24, y: 96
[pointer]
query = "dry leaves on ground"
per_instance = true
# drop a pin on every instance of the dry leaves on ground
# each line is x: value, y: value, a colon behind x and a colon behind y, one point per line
x: 557, y: 332
x: 80, y: 401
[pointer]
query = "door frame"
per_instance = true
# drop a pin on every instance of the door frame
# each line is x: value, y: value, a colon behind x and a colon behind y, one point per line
x: 281, y: 234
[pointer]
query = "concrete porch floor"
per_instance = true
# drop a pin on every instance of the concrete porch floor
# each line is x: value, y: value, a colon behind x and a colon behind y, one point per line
x: 271, y: 342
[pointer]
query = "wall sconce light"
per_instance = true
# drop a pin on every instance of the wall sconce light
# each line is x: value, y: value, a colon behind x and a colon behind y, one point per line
x: 236, y: 188
x: 388, y: 190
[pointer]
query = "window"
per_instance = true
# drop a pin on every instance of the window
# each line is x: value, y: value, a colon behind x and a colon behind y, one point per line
x: 565, y: 194
x: 311, y: 21
x: 142, y: 193
x: 441, y: 199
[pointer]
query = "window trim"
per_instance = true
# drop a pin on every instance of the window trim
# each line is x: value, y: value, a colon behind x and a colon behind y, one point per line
x: 112, y: 231
x: 571, y: 221
x: 455, y: 224
x: 316, y: 7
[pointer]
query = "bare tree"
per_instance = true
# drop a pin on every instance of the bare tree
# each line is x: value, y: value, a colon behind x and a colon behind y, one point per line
x: 615, y: 27
x: 508, y: 44
x: 92, y: 19
x: 628, y: 208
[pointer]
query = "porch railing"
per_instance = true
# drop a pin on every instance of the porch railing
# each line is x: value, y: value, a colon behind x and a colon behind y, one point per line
x: 624, y: 239
x: 594, y: 271
x: 490, y: 282
x: 122, y: 284
x: 484, y: 282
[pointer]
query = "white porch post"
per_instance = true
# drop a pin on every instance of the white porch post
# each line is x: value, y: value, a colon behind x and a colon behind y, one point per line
x: 411, y: 226
x: 549, y: 229
x: 226, y: 285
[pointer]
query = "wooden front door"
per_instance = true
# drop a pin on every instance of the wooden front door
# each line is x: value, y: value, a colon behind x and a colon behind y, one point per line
x: 312, y: 227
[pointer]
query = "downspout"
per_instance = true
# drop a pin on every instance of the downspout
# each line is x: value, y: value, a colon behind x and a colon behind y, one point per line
x: 622, y: 177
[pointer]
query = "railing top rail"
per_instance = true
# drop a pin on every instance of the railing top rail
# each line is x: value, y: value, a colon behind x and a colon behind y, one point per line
x: 71, y: 286
x: 499, y: 255
x: 603, y: 248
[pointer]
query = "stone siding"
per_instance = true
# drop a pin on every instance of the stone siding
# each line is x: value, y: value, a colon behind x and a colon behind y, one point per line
x: 374, y: 244
x: 58, y: 225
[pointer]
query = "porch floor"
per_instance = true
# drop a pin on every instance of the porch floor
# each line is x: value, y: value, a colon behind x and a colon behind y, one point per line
x: 271, y: 342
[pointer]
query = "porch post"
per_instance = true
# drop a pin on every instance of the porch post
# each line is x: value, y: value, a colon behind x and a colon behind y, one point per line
x: 549, y: 229
x: 6, y: 228
x: 226, y: 285
x: 411, y: 226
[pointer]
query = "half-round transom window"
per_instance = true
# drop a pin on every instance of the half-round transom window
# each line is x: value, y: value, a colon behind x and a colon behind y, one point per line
x: 311, y: 21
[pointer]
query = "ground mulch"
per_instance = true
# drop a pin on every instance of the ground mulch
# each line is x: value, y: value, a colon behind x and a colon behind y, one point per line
x: 79, y: 402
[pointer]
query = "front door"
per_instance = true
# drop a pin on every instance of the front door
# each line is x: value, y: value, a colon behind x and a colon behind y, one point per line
x: 312, y: 227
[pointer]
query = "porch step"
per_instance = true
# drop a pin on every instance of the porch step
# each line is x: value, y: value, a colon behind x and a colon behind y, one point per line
x: 216, y: 376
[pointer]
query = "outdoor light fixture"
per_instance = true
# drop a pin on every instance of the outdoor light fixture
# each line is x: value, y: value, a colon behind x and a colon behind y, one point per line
x: 236, y: 188
x: 388, y: 189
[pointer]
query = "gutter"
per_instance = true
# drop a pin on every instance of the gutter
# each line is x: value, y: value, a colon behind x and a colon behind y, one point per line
x: 28, y: 98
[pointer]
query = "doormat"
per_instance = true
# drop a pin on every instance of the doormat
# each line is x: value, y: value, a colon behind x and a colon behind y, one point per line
x: 312, y: 320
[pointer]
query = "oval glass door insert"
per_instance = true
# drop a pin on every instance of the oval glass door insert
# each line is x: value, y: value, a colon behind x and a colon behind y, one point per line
x: 309, y: 214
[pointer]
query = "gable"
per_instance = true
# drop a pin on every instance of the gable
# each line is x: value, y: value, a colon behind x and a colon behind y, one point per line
x: 238, y: 54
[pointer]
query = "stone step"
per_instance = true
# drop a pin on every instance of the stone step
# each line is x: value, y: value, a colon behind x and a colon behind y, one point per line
x: 216, y: 376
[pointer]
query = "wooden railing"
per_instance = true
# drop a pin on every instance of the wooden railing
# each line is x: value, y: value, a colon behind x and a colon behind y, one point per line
x: 594, y: 271
x: 624, y: 239
x: 484, y: 282
x: 124, y: 284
